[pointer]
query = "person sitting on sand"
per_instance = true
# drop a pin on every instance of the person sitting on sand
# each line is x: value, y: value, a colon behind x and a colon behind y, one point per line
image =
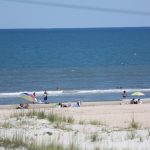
x: 139, y: 101
x: 135, y: 102
x: 132, y: 101
x: 63, y: 105
x: 20, y: 106
x: 26, y: 105
x: 23, y: 106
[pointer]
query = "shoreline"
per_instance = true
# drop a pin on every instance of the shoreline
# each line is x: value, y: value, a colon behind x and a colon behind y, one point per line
x: 83, y: 104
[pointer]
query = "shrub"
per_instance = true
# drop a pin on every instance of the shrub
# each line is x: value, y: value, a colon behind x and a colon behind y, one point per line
x: 131, y: 135
x: 52, y: 117
x: 94, y: 137
x: 41, y: 115
x: 133, y: 124
x: 95, y: 122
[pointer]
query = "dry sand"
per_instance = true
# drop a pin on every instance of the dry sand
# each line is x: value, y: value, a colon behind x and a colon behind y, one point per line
x: 111, y: 113
x: 112, y: 133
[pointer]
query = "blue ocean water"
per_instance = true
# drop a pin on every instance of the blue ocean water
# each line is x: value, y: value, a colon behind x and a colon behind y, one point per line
x: 74, y: 64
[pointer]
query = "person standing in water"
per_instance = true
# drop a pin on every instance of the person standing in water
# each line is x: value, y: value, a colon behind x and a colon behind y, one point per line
x: 45, y: 96
x: 34, y: 94
x: 124, y: 94
x: 35, y: 100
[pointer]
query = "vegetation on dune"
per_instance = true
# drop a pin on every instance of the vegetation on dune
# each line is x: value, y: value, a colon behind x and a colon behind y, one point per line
x: 95, y: 132
x: 17, y: 142
x: 95, y: 122
x: 94, y: 137
x: 133, y: 124
x: 51, y: 116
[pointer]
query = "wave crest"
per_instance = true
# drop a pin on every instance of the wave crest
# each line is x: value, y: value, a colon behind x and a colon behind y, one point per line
x: 72, y: 92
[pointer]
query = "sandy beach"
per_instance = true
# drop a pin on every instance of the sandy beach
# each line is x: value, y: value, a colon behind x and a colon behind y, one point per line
x: 112, y: 113
x: 108, y: 123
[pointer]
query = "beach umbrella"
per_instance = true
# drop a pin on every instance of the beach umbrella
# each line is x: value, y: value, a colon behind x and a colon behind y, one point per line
x: 137, y: 94
x: 28, y: 97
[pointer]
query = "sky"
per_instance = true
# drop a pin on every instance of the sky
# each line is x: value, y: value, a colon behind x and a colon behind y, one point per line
x: 74, y: 13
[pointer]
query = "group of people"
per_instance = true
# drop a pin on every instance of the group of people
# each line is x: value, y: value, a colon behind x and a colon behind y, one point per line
x: 136, y: 101
x: 23, y: 106
x: 77, y: 104
x: 26, y: 105
x: 45, y: 97
x: 133, y: 101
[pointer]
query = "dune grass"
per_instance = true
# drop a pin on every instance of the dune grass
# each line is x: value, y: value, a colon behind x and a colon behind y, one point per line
x: 94, y: 137
x: 6, y: 124
x: 133, y: 124
x: 41, y: 115
x: 17, y: 142
x: 148, y: 132
x: 51, y: 116
x: 95, y: 122
x: 81, y: 122
x: 131, y: 135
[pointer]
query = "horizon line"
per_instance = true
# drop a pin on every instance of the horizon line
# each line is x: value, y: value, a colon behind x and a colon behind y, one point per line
x: 39, y: 28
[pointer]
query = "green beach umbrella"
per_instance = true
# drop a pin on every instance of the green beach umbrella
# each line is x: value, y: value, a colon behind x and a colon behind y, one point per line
x: 137, y: 94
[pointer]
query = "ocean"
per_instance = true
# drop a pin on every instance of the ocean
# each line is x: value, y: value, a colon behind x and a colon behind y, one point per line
x: 74, y: 64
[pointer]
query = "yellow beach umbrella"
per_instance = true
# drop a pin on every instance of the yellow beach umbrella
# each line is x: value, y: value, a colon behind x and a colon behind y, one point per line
x: 137, y: 94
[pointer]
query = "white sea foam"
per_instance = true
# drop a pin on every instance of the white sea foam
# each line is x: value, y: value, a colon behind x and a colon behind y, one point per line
x: 73, y: 92
x: 112, y: 91
x: 38, y: 93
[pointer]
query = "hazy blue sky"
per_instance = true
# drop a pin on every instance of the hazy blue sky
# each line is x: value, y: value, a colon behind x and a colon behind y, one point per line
x: 73, y: 14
